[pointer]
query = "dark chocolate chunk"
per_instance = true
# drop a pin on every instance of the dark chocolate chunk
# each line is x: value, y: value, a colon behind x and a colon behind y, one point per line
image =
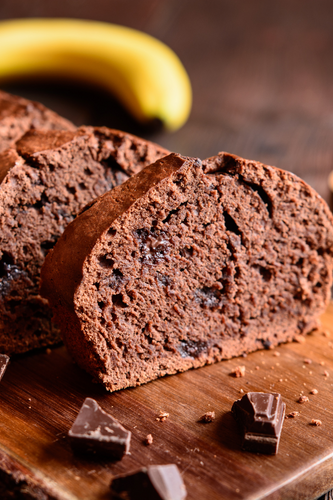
x: 96, y: 432
x: 156, y: 482
x: 4, y: 360
x: 260, y: 416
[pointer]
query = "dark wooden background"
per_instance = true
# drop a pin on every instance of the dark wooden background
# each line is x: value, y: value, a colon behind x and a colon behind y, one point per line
x: 261, y: 70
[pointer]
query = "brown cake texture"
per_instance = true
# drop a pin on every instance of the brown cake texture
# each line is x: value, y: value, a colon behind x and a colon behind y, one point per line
x: 18, y: 115
x: 188, y: 263
x: 46, y: 179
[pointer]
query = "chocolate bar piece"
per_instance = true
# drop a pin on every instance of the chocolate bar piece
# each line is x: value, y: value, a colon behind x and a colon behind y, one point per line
x: 156, y: 482
x: 96, y: 432
x: 260, y: 416
x: 4, y: 360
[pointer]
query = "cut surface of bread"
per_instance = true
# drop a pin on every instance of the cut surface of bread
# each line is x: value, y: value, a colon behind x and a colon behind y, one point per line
x: 18, y: 115
x: 188, y: 263
x: 47, y: 178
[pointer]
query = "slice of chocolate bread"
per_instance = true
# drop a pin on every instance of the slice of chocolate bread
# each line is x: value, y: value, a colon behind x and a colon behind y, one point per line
x: 188, y: 263
x: 18, y: 115
x: 46, y: 180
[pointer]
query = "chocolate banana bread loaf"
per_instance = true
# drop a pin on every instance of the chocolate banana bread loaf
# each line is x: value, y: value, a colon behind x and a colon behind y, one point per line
x: 18, y: 115
x: 46, y: 179
x: 188, y: 263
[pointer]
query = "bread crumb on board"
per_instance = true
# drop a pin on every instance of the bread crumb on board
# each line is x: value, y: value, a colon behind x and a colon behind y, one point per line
x: 293, y: 414
x: 207, y: 417
x: 162, y: 416
x: 239, y: 371
x: 303, y: 399
x: 149, y: 440
x: 316, y: 422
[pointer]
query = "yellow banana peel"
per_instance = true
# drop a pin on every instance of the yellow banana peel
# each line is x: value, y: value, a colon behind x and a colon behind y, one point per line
x: 145, y: 74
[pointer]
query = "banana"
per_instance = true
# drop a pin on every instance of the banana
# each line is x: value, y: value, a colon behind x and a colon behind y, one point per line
x: 144, y: 74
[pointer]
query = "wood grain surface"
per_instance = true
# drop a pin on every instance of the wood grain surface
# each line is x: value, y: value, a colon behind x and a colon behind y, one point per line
x: 41, y: 395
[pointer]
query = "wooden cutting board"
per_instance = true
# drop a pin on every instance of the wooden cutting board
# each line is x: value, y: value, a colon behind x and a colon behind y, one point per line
x: 41, y: 395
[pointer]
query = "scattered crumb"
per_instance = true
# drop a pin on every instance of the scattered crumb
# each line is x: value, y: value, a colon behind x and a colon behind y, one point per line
x: 280, y: 379
x: 322, y: 363
x: 29, y: 407
x: 300, y: 339
x: 162, y: 416
x: 308, y: 361
x: 263, y: 362
x: 304, y: 384
x: 310, y: 372
x: 303, y: 399
x: 315, y: 421
x: 277, y: 364
x: 149, y: 439
x: 286, y: 380
x: 237, y: 490
x: 201, y: 463
x: 207, y: 417
x: 326, y: 374
x: 239, y: 371
x: 241, y: 391
x: 314, y: 391
x: 48, y: 351
x: 257, y: 368
x: 272, y: 367
x: 29, y: 399
x: 293, y: 414
x: 326, y: 333
x: 276, y: 353
x: 303, y: 366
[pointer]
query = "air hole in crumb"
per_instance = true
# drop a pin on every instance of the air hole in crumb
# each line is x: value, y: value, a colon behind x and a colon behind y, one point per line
x: 82, y: 185
x: 112, y: 232
x: 70, y: 189
x: 47, y: 245
x: 96, y: 285
x: 105, y: 261
x: 263, y: 195
x: 117, y: 272
x: 265, y: 273
x: 186, y: 252
x: 5, y: 263
x: 230, y: 224
x: 101, y: 304
x: 133, y: 254
x: 178, y: 181
x: 318, y: 285
x: 117, y: 300
x: 87, y: 171
x: 170, y: 214
x: 40, y: 203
